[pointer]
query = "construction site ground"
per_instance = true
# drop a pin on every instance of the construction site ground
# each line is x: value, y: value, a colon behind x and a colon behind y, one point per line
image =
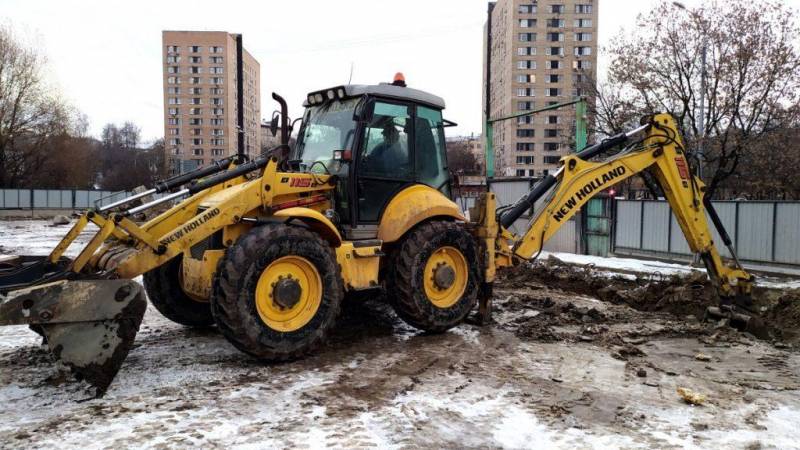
x: 578, y: 356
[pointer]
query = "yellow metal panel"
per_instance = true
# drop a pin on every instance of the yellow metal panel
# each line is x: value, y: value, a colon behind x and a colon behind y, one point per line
x: 411, y: 206
x: 359, y: 266
x: 198, y: 274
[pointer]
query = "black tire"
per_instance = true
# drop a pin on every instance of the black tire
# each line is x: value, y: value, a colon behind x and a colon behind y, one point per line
x: 233, y: 301
x: 405, y: 280
x: 165, y: 293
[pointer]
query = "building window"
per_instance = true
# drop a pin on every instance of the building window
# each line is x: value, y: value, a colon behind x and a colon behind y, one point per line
x: 174, y: 131
x: 526, y: 133
x: 552, y: 159
x: 552, y: 78
x: 195, y: 111
x: 195, y: 121
x: 173, y: 80
x: 551, y: 146
x: 551, y: 132
x: 173, y: 69
x: 527, y: 23
x: 216, y: 91
x: 196, y: 69
x: 197, y: 141
x: 524, y: 159
x: 554, y: 51
x: 175, y: 141
x: 196, y: 101
x: 557, y: 9
x: 554, y: 64
x: 524, y: 146
x: 217, y: 80
x: 196, y: 131
x: 216, y: 49
x: 217, y: 121
x: 173, y: 59
x: 583, y: 51
x: 216, y: 59
x: 197, y: 152
x: 525, y: 92
x: 195, y: 49
x: 552, y: 92
x: 217, y: 132
x: 218, y: 111
x: 216, y: 101
x: 525, y: 120
x: 173, y: 111
x: 217, y: 152
x: 527, y: 9
x: 218, y: 142
x: 583, y: 9
x: 527, y: 37
x: 580, y: 78
x: 583, y: 23
x: 173, y: 90
x: 174, y: 101
x: 526, y: 65
x: 526, y: 51
x: 553, y: 119
x: 582, y: 64
x: 173, y: 121
x: 555, y: 23
x: 173, y: 49
x: 194, y: 80
x: 583, y: 37
x: 526, y: 78
x: 216, y: 70
x: 195, y: 90
x: 555, y: 37
x: 524, y: 106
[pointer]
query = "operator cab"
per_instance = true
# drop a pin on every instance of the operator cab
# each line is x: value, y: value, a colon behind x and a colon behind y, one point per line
x: 378, y: 140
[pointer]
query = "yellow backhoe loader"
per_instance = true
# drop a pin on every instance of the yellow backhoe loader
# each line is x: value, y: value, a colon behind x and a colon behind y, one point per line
x: 265, y: 249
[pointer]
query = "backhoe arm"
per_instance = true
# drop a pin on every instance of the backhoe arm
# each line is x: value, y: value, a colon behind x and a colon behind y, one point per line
x: 658, y: 150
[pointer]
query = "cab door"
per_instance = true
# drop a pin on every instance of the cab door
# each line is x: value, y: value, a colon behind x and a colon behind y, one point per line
x: 385, y: 162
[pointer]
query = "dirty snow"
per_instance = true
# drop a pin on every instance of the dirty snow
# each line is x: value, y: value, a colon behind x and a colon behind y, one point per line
x: 379, y: 383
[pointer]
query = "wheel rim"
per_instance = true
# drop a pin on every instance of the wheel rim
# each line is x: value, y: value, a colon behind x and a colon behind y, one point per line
x: 445, y: 277
x: 279, y: 304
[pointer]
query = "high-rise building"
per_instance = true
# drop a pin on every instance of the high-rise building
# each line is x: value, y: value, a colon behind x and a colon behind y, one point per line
x: 200, y: 98
x: 539, y: 53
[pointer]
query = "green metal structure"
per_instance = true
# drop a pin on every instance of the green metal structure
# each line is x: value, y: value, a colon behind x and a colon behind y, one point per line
x: 580, y: 129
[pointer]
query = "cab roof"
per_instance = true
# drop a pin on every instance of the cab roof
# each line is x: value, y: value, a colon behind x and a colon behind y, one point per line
x: 388, y: 91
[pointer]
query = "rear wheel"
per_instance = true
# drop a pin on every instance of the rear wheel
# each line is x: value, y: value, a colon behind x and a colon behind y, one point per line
x: 435, y: 279
x: 277, y: 292
x: 163, y: 287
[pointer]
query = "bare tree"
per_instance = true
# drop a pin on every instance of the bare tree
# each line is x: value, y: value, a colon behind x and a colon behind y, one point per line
x: 460, y: 159
x: 752, y: 74
x: 30, y: 113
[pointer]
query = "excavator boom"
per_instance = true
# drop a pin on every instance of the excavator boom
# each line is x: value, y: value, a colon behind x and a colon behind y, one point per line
x: 656, y: 148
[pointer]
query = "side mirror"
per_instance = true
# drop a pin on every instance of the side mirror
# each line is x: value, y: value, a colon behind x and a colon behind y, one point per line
x: 273, y: 126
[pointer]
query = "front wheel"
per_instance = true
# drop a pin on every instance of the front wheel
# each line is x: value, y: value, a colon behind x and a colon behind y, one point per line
x: 434, y: 282
x: 277, y: 292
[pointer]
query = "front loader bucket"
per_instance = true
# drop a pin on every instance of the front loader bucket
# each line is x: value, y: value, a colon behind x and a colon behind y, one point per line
x: 89, y: 325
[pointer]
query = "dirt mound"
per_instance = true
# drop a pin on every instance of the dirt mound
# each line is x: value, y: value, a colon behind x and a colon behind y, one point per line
x: 680, y: 296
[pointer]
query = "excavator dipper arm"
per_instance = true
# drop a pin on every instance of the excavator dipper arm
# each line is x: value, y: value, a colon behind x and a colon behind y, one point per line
x: 658, y: 149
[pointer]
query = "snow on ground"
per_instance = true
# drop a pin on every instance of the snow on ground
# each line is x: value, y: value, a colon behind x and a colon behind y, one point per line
x: 644, y: 266
x: 379, y: 383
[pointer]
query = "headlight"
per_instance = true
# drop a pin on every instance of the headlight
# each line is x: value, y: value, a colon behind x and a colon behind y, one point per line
x: 331, y: 95
x: 318, y: 98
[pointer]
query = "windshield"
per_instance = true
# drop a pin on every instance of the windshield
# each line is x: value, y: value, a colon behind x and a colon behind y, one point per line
x: 326, y: 128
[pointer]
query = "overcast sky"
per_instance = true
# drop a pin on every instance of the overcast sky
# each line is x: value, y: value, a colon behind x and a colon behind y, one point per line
x: 105, y: 55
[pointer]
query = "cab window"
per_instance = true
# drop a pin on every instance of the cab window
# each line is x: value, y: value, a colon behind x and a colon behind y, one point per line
x: 430, y: 159
x: 386, y: 151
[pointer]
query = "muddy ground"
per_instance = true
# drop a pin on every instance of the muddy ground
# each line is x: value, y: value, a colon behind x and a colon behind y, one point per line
x: 574, y: 359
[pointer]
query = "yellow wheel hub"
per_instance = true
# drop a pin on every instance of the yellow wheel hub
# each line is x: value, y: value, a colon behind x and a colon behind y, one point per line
x: 288, y: 293
x: 446, y: 277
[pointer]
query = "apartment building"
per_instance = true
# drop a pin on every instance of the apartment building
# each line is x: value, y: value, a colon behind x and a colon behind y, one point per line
x: 539, y: 53
x: 200, y: 98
